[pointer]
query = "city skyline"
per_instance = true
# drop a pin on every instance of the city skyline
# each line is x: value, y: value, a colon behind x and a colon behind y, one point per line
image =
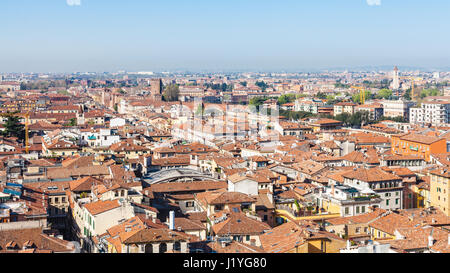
x: 100, y: 36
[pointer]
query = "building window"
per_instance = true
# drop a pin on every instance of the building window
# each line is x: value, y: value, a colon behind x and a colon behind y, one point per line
x: 387, y: 202
x: 357, y: 230
x: 346, y: 211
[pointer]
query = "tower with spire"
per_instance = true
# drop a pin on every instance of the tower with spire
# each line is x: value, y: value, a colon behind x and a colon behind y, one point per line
x: 396, y: 82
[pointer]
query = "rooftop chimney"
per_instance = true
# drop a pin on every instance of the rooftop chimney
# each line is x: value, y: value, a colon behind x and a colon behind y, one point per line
x: 172, y: 220
x: 431, y: 239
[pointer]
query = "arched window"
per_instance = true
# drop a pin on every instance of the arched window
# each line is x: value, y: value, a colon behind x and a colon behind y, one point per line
x: 148, y: 248
x: 163, y: 248
x: 177, y: 246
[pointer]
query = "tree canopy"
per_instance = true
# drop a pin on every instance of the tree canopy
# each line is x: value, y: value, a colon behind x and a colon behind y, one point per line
x: 358, y: 119
x: 384, y: 94
x: 171, y: 92
x: 13, y: 127
x: 262, y: 85
x: 357, y: 99
x: 294, y: 115
x: 257, y: 101
x: 287, y: 98
x: 429, y: 92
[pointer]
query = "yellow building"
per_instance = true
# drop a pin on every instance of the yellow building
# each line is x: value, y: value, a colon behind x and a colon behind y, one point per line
x: 384, y: 227
x: 439, y: 190
x: 59, y: 148
x: 300, y: 238
x: 421, y: 193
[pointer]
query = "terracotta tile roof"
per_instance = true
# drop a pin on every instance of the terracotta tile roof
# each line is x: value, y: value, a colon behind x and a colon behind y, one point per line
x: 371, y: 175
x: 100, y: 206
x: 41, y: 163
x: 153, y: 235
x: 264, y: 201
x: 44, y: 126
x: 186, y: 224
x: 49, y: 187
x: 83, y: 184
x: 233, y: 247
x: 179, y: 160
x: 417, y: 238
x: 426, y: 216
x: 289, y: 235
x: 132, y: 224
x: 20, y: 237
x: 391, y: 222
x: 358, y: 219
x: 239, y: 224
x: 219, y: 197
x: 402, y: 172
x: 441, y: 246
x: 200, y: 216
x: 78, y: 161
x: 57, y: 173
x: 325, y: 121
x: 309, y: 167
x: 420, y: 138
x: 126, y: 146
x: 442, y: 172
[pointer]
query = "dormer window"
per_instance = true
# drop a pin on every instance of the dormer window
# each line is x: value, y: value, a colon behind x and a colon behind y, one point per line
x: 29, y: 245
x: 12, y: 245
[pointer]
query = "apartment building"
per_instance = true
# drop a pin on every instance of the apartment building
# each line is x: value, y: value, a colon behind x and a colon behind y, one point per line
x: 308, y: 105
x: 417, y: 145
x: 375, y: 110
x: 344, y: 107
x: 387, y: 186
x: 440, y: 190
x: 397, y: 108
x: 435, y: 111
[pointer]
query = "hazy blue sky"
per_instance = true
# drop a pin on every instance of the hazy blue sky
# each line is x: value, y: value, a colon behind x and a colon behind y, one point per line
x: 111, y: 35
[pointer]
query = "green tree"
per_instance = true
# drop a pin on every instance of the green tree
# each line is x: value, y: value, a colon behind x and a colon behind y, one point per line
x: 294, y: 115
x: 384, y: 94
x: 407, y: 94
x: 257, y: 101
x: 72, y: 122
x: 171, y: 92
x: 287, y: 98
x: 13, y: 127
x: 429, y: 92
x: 356, y: 97
x: 200, y: 110
x: 321, y: 95
x: 355, y: 120
x: 262, y: 85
